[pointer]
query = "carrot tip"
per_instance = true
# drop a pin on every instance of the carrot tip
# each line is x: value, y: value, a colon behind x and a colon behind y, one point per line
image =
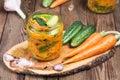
x: 51, y: 7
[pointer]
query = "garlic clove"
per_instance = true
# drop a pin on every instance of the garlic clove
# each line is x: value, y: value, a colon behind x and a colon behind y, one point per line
x: 8, y: 57
x: 58, y: 67
x: 14, y: 5
x: 22, y: 62
x: 18, y: 2
x: 8, y: 5
x: 20, y: 12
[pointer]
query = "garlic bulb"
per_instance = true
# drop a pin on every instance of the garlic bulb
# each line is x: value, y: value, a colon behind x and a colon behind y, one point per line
x: 14, y: 5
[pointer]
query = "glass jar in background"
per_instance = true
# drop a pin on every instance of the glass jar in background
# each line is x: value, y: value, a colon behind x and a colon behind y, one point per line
x: 44, y: 36
x: 101, y: 6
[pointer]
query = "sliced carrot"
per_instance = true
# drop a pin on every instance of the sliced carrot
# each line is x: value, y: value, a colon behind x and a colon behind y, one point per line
x: 57, y: 3
x: 92, y: 40
x: 103, y: 45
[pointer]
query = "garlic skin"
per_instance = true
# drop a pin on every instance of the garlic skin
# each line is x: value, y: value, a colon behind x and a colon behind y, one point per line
x: 22, y: 62
x: 14, y: 5
x: 8, y: 57
x: 58, y: 67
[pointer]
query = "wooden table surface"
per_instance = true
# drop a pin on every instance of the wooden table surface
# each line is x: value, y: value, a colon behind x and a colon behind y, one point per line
x: 12, y: 31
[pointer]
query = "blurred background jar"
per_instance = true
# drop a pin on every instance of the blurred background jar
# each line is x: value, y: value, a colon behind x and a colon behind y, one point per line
x: 101, y: 6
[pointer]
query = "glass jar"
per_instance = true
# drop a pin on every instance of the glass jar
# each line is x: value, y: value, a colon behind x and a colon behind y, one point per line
x: 101, y: 6
x: 44, y: 36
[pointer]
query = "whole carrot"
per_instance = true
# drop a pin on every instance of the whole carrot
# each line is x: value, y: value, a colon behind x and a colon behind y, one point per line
x: 57, y: 3
x: 103, y: 45
x: 92, y: 40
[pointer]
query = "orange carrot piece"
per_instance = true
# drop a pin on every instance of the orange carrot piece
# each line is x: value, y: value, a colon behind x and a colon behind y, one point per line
x: 103, y: 45
x: 92, y: 40
x: 57, y: 3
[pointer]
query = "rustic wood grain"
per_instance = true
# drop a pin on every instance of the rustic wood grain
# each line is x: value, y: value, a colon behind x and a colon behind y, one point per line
x: 12, y: 31
x: 10, y: 37
x: 78, y: 76
x: 28, y: 7
x: 115, y: 61
x: 117, y: 17
x: 81, y: 7
x: 30, y: 77
x: 3, y: 16
x: 69, y: 16
x: 5, y: 35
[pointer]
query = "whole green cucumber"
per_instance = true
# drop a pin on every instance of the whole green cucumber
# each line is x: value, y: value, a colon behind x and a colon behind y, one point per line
x: 47, y: 3
x: 72, y: 31
x: 80, y: 37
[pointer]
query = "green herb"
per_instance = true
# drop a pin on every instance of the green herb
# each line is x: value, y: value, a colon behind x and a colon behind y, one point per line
x: 109, y: 8
x: 44, y: 48
x: 99, y: 7
x: 102, y: 8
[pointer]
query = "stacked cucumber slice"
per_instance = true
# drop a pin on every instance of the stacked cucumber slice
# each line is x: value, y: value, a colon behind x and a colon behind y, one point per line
x: 47, y: 20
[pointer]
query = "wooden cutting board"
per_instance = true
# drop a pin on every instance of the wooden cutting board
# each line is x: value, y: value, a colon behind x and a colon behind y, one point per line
x: 46, y: 68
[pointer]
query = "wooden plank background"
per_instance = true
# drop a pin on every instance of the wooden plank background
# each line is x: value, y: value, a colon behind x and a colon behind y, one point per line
x: 13, y: 31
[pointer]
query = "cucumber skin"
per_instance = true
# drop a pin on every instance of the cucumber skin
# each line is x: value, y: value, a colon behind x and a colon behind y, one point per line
x: 82, y: 35
x: 47, y: 3
x: 72, y: 31
x: 45, y: 48
x: 40, y: 21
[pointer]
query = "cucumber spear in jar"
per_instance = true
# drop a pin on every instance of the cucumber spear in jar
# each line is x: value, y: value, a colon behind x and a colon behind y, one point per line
x: 45, y: 36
